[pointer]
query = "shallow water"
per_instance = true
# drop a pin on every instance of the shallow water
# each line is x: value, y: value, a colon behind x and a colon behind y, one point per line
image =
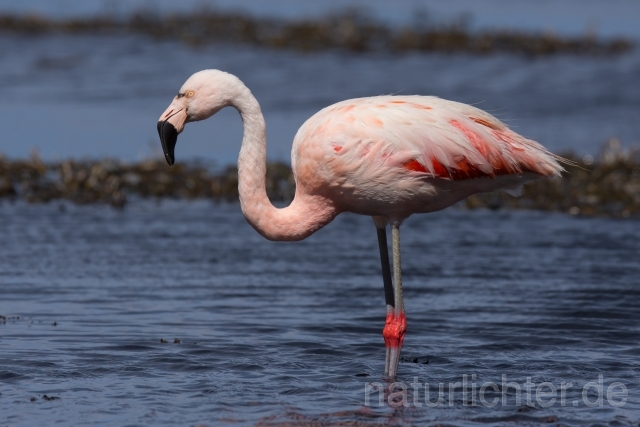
x: 290, y: 332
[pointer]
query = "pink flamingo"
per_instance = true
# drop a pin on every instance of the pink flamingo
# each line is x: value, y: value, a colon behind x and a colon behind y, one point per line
x: 383, y: 156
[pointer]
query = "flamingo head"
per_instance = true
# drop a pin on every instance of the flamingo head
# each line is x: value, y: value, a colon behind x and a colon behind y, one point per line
x: 200, y: 97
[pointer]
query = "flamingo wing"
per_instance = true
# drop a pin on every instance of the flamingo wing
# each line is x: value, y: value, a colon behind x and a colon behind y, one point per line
x: 424, y: 135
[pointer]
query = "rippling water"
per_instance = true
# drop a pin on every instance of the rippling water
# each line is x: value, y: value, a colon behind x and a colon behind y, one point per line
x: 291, y: 332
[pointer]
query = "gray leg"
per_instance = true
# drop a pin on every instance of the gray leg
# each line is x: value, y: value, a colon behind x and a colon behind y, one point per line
x: 396, y: 322
x: 388, y: 285
x: 397, y: 270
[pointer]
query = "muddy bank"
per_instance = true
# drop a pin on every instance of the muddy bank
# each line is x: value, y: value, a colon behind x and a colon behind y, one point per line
x: 607, y: 185
x: 350, y: 30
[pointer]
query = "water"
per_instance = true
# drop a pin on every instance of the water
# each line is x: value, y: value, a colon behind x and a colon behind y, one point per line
x: 276, y: 333
x: 290, y: 332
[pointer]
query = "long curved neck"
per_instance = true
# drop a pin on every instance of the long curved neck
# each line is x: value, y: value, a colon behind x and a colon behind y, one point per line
x: 306, y: 214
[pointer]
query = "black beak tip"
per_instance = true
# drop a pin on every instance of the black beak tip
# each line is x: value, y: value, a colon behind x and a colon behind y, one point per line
x: 168, y: 137
x: 169, y: 158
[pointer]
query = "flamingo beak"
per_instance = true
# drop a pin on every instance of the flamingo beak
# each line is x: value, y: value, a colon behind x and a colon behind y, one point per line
x: 168, y: 138
x: 171, y: 123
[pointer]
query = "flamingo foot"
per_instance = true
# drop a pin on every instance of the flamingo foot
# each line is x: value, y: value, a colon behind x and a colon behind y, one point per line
x: 393, y: 333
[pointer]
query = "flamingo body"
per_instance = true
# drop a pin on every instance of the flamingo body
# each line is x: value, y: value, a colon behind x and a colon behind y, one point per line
x: 384, y: 156
x: 394, y: 156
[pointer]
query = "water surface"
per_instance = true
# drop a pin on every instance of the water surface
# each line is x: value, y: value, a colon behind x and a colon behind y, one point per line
x: 290, y: 332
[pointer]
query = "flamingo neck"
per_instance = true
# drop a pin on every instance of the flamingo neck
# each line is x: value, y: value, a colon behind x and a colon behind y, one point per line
x: 306, y: 213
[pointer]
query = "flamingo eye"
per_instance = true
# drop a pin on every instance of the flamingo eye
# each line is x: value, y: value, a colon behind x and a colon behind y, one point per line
x: 190, y: 93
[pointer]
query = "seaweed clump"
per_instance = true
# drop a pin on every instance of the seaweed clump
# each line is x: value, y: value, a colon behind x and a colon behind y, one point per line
x: 349, y: 30
x: 608, y: 185
x: 113, y: 182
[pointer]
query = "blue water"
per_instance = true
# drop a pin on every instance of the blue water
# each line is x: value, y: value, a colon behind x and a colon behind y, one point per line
x: 290, y: 333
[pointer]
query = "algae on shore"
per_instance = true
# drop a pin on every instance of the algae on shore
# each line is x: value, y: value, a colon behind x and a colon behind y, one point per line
x: 349, y: 30
x: 608, y: 185
x: 112, y: 181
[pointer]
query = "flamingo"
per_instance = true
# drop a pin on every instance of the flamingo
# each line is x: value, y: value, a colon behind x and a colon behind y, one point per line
x: 383, y: 156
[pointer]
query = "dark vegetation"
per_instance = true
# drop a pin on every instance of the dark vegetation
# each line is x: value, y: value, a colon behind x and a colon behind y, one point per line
x: 112, y: 182
x: 608, y: 185
x: 350, y: 30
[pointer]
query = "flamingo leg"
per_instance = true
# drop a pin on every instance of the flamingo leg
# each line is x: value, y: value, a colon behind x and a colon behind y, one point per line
x: 388, y: 286
x: 396, y: 323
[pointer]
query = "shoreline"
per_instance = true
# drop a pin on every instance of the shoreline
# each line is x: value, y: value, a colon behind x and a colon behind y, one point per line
x: 607, y: 185
x: 349, y: 30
